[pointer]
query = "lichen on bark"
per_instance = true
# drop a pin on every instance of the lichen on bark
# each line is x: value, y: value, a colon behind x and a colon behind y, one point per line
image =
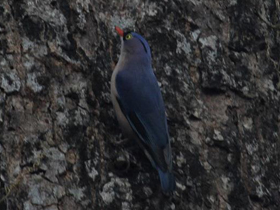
x: 217, y: 63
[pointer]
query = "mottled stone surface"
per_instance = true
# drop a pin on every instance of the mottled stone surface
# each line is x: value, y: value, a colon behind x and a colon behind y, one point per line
x: 217, y: 63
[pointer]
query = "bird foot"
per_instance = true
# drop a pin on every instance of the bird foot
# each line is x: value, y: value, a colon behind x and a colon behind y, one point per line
x: 121, y: 141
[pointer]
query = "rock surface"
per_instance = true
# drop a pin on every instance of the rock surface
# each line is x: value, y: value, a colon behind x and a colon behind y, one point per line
x: 217, y: 63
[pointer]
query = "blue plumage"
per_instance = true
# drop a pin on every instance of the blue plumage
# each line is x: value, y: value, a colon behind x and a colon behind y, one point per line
x: 145, y: 43
x: 138, y: 103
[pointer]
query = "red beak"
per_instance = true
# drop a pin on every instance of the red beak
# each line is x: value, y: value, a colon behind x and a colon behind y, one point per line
x: 119, y: 31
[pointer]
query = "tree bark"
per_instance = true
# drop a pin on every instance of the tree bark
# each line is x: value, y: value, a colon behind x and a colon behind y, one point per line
x: 217, y: 63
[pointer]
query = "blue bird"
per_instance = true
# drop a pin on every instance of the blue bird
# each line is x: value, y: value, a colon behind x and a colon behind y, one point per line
x: 139, y: 106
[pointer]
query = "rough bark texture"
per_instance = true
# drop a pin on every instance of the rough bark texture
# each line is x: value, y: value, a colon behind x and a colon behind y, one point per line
x: 218, y: 66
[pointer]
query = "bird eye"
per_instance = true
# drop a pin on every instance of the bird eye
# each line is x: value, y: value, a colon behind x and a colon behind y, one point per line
x: 128, y: 37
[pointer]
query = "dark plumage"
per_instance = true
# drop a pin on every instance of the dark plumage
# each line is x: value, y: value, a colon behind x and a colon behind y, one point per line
x: 139, y: 105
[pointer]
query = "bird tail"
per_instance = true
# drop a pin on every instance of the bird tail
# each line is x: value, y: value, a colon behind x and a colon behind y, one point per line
x: 167, y: 181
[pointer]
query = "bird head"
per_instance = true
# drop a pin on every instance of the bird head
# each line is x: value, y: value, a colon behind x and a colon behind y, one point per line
x: 133, y: 43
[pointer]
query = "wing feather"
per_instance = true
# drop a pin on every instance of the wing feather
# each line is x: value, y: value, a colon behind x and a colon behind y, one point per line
x: 142, y: 104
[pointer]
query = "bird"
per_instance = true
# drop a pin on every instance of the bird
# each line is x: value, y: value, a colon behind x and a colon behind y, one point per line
x: 139, y: 106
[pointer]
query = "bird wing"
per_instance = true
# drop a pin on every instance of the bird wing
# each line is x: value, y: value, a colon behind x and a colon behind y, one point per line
x: 141, y: 102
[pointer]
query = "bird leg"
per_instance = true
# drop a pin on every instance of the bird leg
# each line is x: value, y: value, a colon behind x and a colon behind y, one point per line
x: 121, y: 141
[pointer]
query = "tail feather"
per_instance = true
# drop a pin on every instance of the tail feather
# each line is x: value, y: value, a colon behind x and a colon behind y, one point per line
x: 167, y: 181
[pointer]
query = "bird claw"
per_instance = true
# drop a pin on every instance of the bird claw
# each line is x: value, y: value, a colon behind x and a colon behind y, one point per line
x: 122, y: 141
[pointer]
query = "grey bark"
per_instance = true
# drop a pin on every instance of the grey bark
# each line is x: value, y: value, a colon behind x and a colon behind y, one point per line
x: 217, y: 63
